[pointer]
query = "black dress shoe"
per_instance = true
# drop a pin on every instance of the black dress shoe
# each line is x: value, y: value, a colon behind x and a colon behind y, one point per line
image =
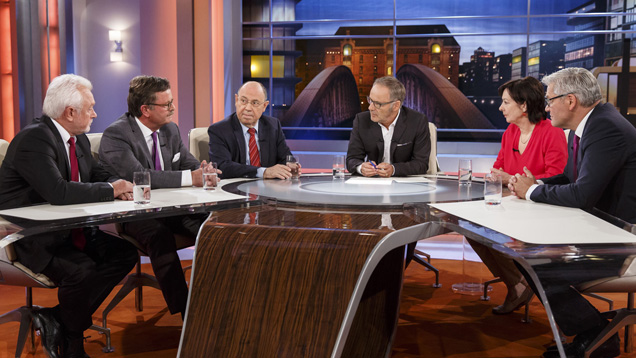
x: 74, y: 348
x: 609, y: 349
x: 50, y: 331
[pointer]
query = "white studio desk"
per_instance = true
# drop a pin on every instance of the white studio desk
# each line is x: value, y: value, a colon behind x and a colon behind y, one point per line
x: 534, y: 234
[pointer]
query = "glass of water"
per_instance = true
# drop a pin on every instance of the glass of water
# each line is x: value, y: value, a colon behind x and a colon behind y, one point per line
x: 292, y: 163
x: 141, y: 187
x: 338, y: 167
x: 210, y: 177
x: 465, y: 171
x: 492, y: 189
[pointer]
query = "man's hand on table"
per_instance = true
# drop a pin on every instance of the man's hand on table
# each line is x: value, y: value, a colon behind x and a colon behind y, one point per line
x: 122, y: 189
x: 520, y: 183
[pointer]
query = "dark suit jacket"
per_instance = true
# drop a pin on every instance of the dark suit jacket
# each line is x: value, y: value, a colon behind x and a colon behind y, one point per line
x: 227, y: 146
x: 123, y: 151
x: 410, y: 145
x: 36, y: 170
x: 606, y: 168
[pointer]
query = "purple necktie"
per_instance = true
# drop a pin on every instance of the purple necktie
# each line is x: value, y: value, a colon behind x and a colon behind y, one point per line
x: 155, y: 151
x: 575, y: 154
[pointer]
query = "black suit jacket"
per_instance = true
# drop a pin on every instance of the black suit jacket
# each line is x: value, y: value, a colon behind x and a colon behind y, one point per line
x: 123, y: 151
x: 606, y: 168
x: 36, y: 170
x: 227, y: 146
x: 410, y: 145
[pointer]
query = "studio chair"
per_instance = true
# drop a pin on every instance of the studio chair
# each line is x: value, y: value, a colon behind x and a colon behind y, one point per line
x: 198, y: 141
x: 4, y: 145
x: 420, y: 257
x: 625, y: 282
x: 13, y: 273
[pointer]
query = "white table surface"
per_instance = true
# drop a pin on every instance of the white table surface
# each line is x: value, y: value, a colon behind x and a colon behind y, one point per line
x: 538, y: 223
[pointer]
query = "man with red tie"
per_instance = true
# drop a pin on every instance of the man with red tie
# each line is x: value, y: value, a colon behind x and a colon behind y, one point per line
x: 249, y: 144
x: 50, y: 161
x: 600, y: 173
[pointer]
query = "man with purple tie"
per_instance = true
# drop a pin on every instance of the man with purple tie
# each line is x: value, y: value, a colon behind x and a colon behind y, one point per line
x: 145, y: 138
x: 600, y: 173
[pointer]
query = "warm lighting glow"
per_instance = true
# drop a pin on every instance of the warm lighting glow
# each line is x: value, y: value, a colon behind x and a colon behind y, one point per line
x: 114, y: 35
x: 346, y: 50
x: 533, y: 61
x: 259, y: 66
x: 116, y: 56
x: 436, y: 48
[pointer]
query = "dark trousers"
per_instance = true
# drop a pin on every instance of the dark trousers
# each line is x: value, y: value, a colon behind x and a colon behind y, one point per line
x: 85, y: 278
x: 157, y: 238
x: 572, y: 312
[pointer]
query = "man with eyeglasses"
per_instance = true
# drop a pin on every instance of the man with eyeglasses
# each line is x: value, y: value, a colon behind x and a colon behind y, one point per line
x: 600, y: 173
x: 145, y: 138
x: 249, y: 144
x: 394, y: 139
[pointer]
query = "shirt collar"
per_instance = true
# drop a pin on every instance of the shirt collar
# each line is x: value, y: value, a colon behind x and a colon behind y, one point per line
x: 392, y: 125
x: 144, y: 130
x: 581, y: 127
x: 63, y: 132
x: 245, y: 128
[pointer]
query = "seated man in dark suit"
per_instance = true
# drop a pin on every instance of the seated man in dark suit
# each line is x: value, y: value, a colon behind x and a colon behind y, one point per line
x: 249, y: 144
x: 50, y: 160
x: 389, y: 139
x: 145, y: 138
x: 600, y: 173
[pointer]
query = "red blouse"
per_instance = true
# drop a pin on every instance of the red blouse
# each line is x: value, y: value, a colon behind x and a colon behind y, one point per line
x: 545, y: 155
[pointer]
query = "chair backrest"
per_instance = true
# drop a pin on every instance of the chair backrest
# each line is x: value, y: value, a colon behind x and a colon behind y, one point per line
x: 4, y: 145
x: 95, y: 139
x: 433, y: 166
x: 12, y: 272
x: 199, y: 143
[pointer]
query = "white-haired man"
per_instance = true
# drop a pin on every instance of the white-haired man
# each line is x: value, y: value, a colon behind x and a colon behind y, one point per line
x: 50, y: 161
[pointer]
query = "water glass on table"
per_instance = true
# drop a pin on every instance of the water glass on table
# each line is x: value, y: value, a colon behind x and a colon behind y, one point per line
x: 465, y: 171
x: 338, y: 167
x: 492, y: 189
x: 141, y: 187
x: 294, y: 165
x: 210, y: 177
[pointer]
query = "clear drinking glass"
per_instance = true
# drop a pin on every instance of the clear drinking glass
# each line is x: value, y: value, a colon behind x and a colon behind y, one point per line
x: 492, y: 189
x: 339, y: 167
x: 141, y: 187
x: 465, y: 171
x: 210, y: 177
x: 293, y: 164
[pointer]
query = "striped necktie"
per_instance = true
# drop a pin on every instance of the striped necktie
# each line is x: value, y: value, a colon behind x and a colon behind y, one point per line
x: 255, y: 158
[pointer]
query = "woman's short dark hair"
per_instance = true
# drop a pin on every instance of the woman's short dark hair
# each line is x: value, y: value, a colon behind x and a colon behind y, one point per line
x: 529, y: 91
x: 143, y: 90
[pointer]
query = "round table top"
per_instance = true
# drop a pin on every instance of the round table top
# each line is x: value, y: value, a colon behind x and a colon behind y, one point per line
x: 358, y: 191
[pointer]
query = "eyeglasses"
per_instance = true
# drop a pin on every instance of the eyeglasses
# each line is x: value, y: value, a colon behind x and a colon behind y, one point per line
x: 254, y: 103
x: 167, y: 105
x: 377, y: 104
x: 548, y: 101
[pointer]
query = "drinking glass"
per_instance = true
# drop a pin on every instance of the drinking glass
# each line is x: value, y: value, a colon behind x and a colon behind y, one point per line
x: 141, y: 187
x: 492, y: 189
x: 292, y: 163
x: 210, y: 177
x: 465, y: 171
x: 338, y: 167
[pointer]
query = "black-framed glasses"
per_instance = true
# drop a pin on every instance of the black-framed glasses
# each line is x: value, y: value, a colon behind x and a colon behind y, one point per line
x: 167, y: 105
x: 255, y: 103
x: 548, y: 101
x: 377, y: 104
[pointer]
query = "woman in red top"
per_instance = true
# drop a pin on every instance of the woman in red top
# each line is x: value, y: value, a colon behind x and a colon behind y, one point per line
x: 530, y: 141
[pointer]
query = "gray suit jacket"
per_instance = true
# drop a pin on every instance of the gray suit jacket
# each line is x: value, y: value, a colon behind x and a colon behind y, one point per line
x: 123, y: 151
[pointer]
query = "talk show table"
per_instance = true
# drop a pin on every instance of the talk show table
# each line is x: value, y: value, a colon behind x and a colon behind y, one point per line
x: 314, y: 267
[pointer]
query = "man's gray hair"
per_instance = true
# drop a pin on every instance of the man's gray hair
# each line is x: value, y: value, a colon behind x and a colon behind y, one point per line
x: 64, y: 91
x: 577, y: 81
x: 396, y: 88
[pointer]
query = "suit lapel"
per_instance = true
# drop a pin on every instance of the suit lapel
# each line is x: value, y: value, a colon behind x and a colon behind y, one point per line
x: 83, y: 159
x: 399, y: 129
x: 166, y: 153
x: 240, y: 139
x: 138, y: 137
x: 65, y: 168
x: 262, y: 142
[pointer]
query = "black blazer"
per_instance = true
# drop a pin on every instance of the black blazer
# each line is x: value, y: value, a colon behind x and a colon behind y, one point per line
x: 227, y: 146
x: 123, y: 151
x: 410, y: 145
x: 606, y: 168
x: 36, y: 170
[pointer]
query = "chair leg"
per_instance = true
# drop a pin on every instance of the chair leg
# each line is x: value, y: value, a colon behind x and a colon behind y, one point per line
x: 485, y: 297
x: 105, y: 331
x: 609, y: 301
x: 139, y: 293
x: 417, y: 258
x: 629, y: 329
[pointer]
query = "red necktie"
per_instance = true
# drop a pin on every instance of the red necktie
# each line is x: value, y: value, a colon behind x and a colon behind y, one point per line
x: 77, y: 235
x: 575, y: 154
x: 255, y: 158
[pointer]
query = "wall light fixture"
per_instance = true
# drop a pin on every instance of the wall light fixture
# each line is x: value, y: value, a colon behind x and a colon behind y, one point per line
x: 118, y: 54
